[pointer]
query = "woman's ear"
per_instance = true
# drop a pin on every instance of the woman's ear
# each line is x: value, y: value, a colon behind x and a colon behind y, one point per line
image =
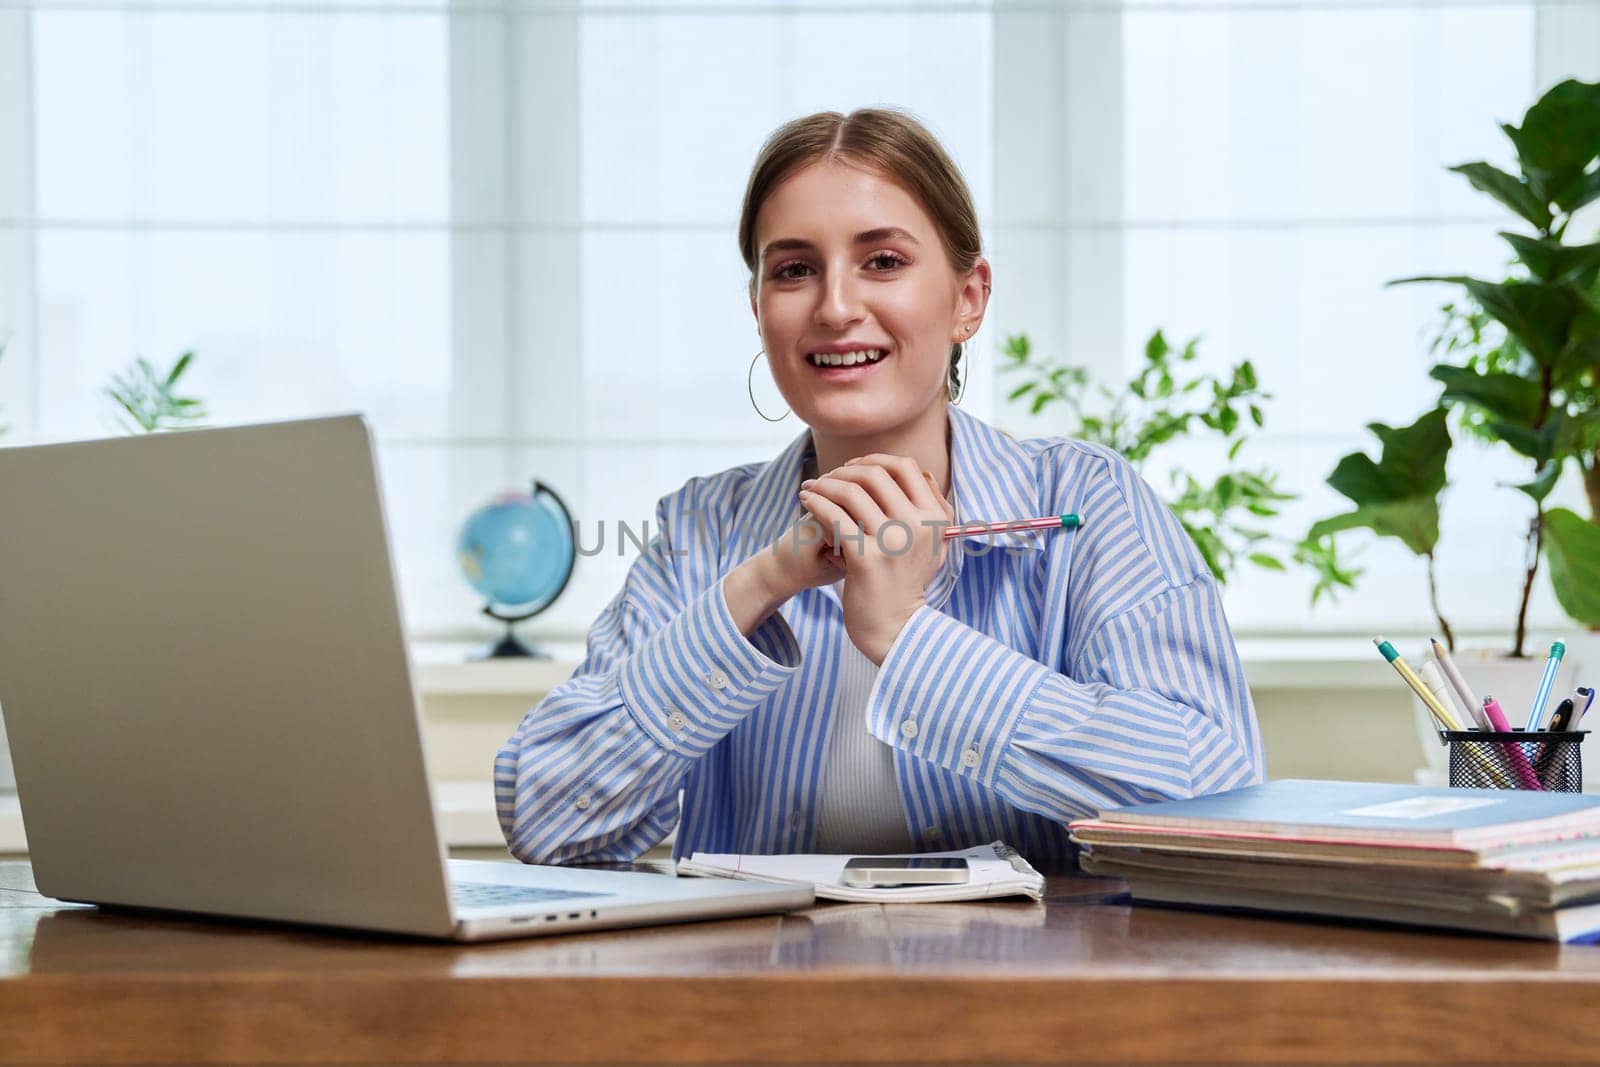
x: 972, y: 298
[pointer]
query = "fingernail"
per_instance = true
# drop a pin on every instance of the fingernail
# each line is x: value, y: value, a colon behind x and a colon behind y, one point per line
x: 808, y: 483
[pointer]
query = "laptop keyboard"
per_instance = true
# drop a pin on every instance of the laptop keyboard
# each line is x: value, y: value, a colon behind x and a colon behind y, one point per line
x: 490, y: 894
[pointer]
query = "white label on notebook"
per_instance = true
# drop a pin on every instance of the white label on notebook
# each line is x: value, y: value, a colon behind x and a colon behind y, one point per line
x: 1420, y: 807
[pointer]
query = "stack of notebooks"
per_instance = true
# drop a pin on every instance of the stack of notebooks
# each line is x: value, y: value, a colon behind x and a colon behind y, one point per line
x: 1514, y: 862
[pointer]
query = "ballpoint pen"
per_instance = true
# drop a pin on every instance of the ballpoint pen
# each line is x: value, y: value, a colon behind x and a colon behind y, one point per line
x: 1582, y: 697
x: 1069, y: 521
x: 1560, y: 721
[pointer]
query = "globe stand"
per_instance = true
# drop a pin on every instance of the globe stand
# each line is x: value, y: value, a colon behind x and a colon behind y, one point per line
x: 510, y: 646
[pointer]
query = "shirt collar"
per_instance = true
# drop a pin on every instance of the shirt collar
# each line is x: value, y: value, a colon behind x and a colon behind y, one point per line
x: 991, y: 476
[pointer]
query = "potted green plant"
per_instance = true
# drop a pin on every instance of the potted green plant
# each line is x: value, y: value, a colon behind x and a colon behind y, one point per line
x: 1224, y: 513
x: 1521, y: 371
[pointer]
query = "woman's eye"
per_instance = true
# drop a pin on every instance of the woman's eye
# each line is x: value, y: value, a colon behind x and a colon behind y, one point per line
x: 882, y: 262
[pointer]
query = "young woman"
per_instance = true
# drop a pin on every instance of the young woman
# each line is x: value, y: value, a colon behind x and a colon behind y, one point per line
x: 803, y: 656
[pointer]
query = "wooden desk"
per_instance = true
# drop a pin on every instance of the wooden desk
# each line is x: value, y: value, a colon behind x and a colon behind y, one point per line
x: 1072, y: 980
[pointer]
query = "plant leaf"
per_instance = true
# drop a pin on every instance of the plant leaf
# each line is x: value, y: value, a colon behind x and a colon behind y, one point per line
x: 1509, y: 396
x: 1559, y: 135
x: 1397, y: 495
x: 1572, y: 545
x: 1509, y: 190
x: 1543, y: 482
x: 1550, y: 260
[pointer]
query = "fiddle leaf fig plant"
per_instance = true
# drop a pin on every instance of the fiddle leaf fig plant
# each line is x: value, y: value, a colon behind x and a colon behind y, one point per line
x: 1532, y: 384
x: 1165, y: 400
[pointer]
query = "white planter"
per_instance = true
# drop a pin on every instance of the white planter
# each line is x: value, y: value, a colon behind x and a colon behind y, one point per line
x: 1512, y: 682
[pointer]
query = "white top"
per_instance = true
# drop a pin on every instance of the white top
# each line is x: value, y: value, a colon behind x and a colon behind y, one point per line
x: 859, y: 809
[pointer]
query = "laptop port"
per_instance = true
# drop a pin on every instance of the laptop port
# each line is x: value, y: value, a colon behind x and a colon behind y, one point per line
x: 575, y: 915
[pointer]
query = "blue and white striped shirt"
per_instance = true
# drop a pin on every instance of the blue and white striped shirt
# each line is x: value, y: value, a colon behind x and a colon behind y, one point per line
x: 1048, y: 675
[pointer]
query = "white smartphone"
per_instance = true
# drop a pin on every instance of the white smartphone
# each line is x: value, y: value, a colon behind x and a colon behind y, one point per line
x: 906, y: 870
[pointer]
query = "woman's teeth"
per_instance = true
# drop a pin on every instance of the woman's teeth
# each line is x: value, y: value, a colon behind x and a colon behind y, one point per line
x: 845, y: 359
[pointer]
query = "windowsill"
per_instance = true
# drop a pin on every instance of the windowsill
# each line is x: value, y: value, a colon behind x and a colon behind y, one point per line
x: 445, y: 668
x: 11, y: 839
x: 464, y: 809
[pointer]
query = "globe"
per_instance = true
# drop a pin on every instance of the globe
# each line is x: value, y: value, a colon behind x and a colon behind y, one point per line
x: 517, y: 551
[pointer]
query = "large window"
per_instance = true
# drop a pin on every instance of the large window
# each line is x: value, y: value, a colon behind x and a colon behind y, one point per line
x: 506, y: 230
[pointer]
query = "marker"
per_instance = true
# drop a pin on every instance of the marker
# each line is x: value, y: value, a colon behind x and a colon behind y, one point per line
x: 1551, y: 665
x: 1513, y: 750
x: 1458, y: 682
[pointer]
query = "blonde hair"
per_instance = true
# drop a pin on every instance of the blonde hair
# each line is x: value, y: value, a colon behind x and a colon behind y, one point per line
x: 891, y: 142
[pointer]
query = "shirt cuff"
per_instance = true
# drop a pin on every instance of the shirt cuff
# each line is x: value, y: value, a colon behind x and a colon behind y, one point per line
x: 951, y: 695
x: 698, y: 676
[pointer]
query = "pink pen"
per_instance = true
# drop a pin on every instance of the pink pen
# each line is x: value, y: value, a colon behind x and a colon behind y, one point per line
x: 1513, y: 751
x: 1069, y: 521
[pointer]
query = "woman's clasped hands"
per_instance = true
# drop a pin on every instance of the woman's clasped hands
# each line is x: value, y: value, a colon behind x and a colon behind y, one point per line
x: 876, y: 521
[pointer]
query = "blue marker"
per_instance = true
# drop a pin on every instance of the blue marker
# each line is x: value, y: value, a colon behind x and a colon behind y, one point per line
x: 1553, y: 664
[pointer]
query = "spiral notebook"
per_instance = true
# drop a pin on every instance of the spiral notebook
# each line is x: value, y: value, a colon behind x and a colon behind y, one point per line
x: 997, y: 870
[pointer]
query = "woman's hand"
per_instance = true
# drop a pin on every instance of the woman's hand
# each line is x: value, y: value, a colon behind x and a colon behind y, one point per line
x: 799, y: 558
x: 883, y: 516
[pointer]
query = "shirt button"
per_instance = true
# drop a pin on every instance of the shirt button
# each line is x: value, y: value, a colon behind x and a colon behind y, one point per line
x: 969, y: 758
x: 718, y: 680
x: 932, y: 833
x: 583, y: 802
x: 908, y: 728
x: 677, y: 720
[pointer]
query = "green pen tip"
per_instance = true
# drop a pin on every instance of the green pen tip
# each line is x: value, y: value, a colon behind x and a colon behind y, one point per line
x: 1558, y: 650
x: 1071, y: 521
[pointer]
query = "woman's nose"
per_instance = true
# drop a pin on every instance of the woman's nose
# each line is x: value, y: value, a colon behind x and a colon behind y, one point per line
x: 840, y: 304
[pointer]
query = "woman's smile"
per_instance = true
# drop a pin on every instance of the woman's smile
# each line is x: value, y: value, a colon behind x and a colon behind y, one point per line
x: 851, y: 365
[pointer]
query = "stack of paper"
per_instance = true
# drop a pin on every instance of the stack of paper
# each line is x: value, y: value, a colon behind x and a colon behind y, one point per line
x: 1511, y: 862
x: 996, y: 870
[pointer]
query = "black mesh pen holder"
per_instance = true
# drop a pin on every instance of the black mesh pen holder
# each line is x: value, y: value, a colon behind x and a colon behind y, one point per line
x: 1545, y: 760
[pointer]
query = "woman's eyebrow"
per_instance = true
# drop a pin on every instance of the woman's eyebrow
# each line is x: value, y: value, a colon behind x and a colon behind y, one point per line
x: 865, y: 237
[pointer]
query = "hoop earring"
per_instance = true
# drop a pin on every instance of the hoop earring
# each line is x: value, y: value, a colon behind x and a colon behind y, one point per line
x: 750, y: 387
x: 953, y: 384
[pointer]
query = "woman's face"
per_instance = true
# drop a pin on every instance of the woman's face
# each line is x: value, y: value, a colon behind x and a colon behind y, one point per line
x: 848, y: 259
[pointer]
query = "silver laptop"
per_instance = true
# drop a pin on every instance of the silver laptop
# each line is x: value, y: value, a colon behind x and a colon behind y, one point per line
x: 204, y: 676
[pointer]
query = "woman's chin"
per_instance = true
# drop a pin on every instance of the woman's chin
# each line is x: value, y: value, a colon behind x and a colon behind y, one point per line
x: 856, y: 416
